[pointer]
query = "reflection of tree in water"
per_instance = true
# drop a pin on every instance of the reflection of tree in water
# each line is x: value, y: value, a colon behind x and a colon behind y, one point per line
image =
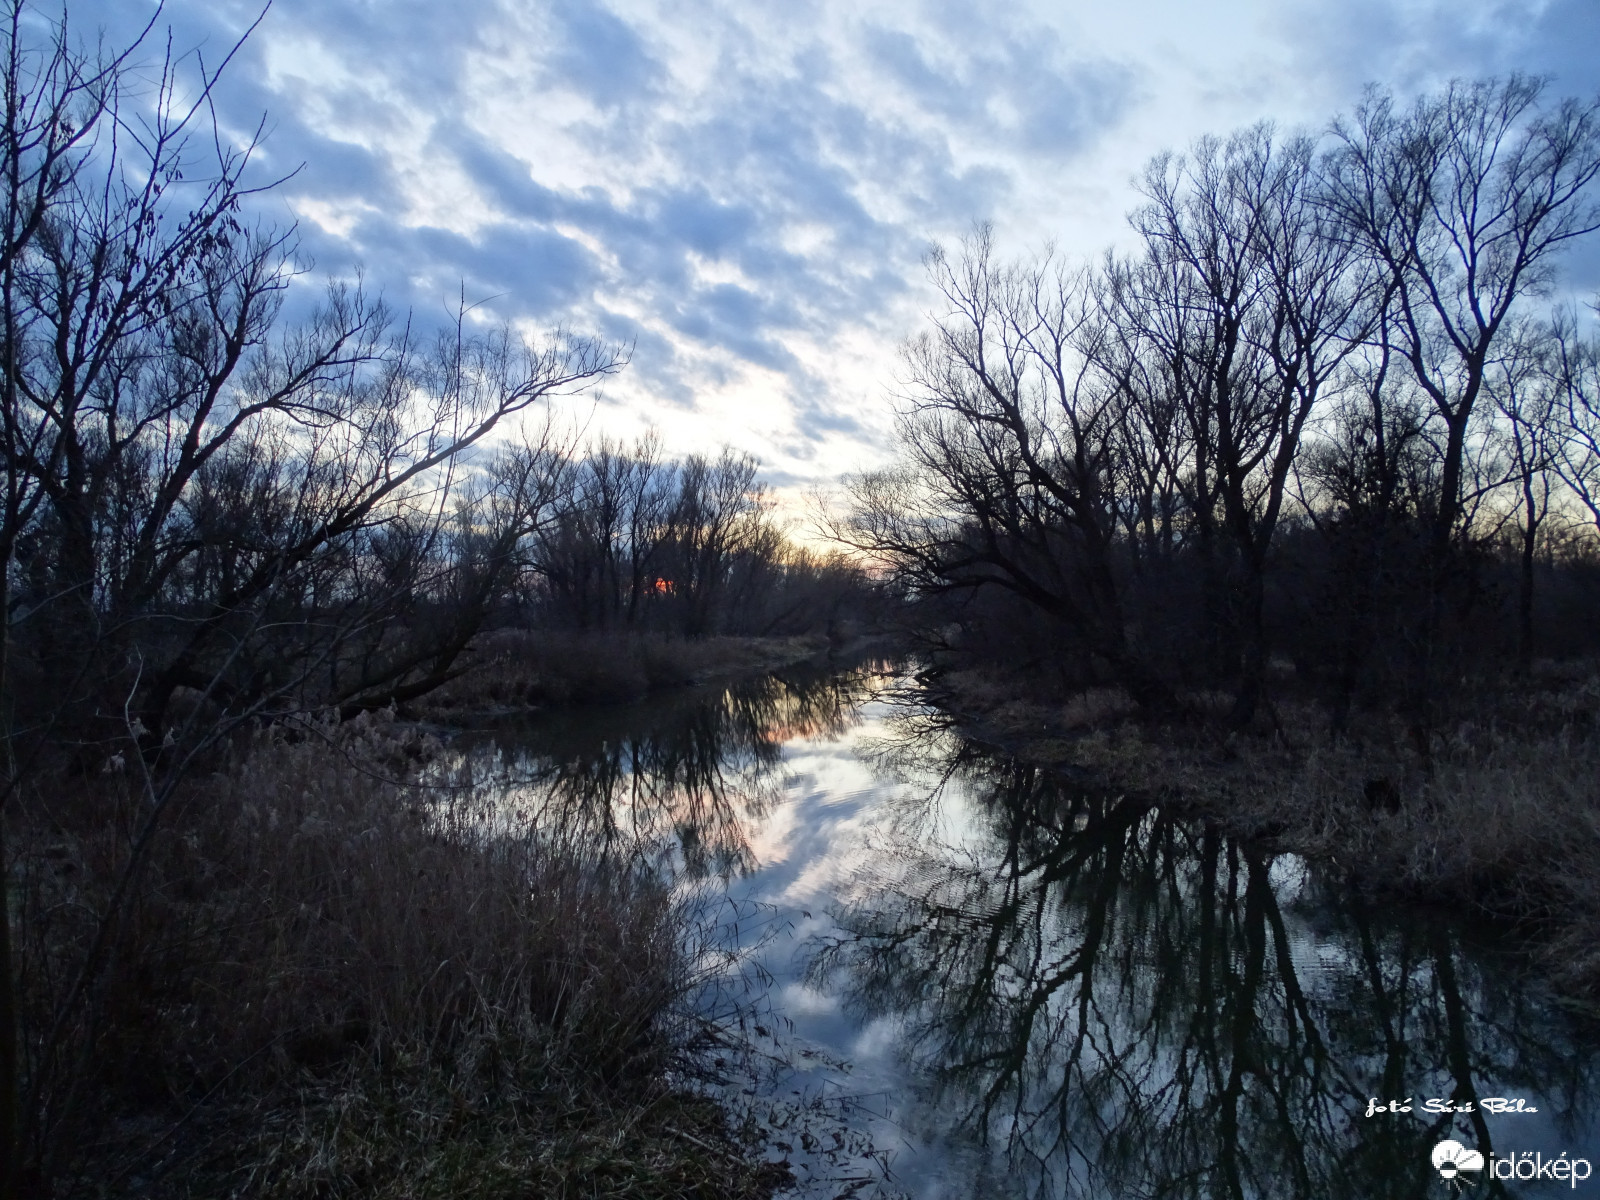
x: 1135, y: 1005
x: 682, y: 776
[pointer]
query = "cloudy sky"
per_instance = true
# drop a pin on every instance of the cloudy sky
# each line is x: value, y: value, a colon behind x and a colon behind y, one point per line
x: 744, y: 190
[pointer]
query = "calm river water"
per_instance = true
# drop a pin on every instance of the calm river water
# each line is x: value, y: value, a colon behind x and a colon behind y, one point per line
x: 1014, y: 986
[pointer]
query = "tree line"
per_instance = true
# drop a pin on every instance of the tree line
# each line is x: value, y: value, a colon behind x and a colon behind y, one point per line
x: 204, y: 499
x: 635, y: 542
x: 1323, y: 410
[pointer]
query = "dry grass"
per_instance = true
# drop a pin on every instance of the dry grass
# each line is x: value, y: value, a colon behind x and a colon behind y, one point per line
x: 519, y: 669
x: 1503, y: 816
x: 335, y: 984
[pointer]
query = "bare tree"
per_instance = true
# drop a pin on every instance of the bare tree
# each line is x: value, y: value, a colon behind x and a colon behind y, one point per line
x: 1521, y: 385
x: 1010, y: 440
x: 717, y: 517
x: 1574, y: 368
x: 56, y: 99
x: 199, y: 500
x: 1094, y: 443
x: 1464, y: 202
x: 1363, y: 484
x: 1256, y: 309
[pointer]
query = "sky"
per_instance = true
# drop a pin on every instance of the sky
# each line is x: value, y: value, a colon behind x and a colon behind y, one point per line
x: 744, y: 192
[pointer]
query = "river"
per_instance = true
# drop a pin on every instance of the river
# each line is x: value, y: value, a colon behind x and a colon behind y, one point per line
x: 961, y: 976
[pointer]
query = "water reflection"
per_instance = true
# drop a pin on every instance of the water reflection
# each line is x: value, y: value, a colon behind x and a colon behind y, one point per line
x: 1133, y: 1005
x: 1050, y: 990
x: 684, y: 778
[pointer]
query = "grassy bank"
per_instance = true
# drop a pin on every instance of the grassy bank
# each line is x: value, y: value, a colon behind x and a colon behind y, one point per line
x: 514, y: 670
x: 1501, y: 815
x: 331, y: 983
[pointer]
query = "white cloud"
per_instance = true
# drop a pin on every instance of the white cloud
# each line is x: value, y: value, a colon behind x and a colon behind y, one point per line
x: 747, y: 191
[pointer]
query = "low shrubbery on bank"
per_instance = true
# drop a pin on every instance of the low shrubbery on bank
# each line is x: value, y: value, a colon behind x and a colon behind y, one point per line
x: 1497, y: 812
x: 331, y: 983
x: 519, y: 669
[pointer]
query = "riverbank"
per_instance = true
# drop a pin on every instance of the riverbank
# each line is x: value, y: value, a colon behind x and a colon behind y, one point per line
x: 518, y: 671
x: 336, y: 981
x: 1500, y: 817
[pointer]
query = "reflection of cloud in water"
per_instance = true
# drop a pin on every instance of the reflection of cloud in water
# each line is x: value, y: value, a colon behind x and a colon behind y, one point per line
x: 1133, y: 1005
x: 826, y: 773
x: 878, y: 1038
x: 797, y: 999
x: 1124, y: 1002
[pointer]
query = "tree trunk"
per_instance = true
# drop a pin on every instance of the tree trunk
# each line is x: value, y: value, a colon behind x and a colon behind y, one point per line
x: 10, y: 1082
x: 1530, y: 542
x: 1253, y: 648
x: 1423, y: 688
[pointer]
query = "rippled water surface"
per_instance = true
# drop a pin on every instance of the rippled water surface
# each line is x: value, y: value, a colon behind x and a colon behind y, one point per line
x: 1020, y: 987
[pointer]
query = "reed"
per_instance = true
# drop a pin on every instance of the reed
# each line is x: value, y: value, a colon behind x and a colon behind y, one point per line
x: 339, y: 981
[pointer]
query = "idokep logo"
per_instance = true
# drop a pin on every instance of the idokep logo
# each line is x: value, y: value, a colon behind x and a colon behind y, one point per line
x: 1451, y: 1158
x: 1459, y: 1166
